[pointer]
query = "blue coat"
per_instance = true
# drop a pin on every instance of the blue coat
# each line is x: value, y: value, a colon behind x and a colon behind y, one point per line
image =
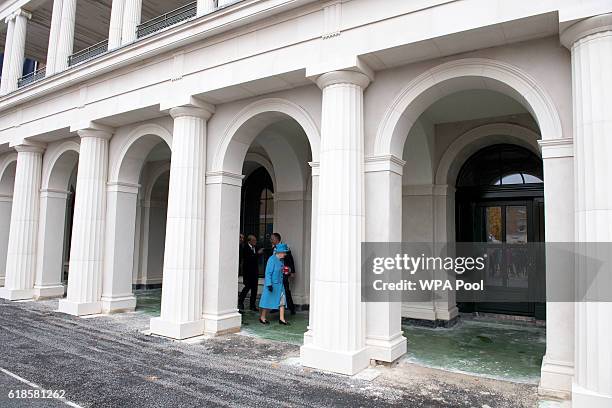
x: 274, y: 278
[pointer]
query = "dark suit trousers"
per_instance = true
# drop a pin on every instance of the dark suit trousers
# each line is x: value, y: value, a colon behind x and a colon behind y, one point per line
x: 288, y: 297
x: 250, y: 284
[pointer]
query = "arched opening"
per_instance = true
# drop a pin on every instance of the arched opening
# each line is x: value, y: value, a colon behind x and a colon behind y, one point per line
x: 58, y: 192
x: 273, y: 151
x: 137, y: 205
x: 150, y: 244
x: 8, y: 165
x: 437, y: 122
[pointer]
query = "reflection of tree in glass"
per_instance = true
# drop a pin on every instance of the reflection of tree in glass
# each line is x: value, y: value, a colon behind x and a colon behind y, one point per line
x: 494, y: 224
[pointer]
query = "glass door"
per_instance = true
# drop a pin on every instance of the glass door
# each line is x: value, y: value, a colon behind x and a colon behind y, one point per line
x: 507, y: 222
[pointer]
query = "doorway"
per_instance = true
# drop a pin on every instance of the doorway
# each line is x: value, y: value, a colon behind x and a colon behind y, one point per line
x: 500, y: 199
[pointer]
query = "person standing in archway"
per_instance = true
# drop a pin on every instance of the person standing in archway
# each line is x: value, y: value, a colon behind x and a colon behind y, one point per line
x: 273, y: 296
x: 290, y: 264
x: 250, y: 272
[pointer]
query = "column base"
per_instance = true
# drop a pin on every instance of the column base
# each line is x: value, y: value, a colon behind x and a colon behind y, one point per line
x: 118, y: 304
x: 445, y: 313
x: 583, y: 398
x: 218, y: 325
x: 16, y: 294
x: 178, y: 331
x: 48, y: 292
x: 79, y: 309
x: 308, y: 337
x: 556, y: 379
x: 349, y: 363
x: 429, y: 312
x: 420, y: 312
x: 387, y: 350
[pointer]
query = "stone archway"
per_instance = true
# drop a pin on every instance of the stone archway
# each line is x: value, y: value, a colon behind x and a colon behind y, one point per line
x: 504, y: 78
x: 59, y: 165
x: 223, y: 191
x: 477, y: 138
x: 454, y: 76
x: 122, y: 200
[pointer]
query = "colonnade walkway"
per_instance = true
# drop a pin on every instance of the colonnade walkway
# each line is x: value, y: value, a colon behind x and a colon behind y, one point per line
x: 109, y: 360
x: 504, y: 350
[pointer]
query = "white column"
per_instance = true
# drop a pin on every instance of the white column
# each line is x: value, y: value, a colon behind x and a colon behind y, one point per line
x: 21, y: 18
x: 383, y: 182
x: 54, y: 33
x: 558, y: 363
x: 50, y: 250
x: 6, y: 63
x: 590, y: 42
x: 87, y: 247
x: 132, y: 12
x: 144, y: 246
x: 116, y: 24
x: 337, y: 333
x: 65, y: 42
x: 181, y: 308
x: 205, y: 7
x: 418, y: 219
x: 221, y: 257
x: 21, y: 254
x: 137, y: 242
x: 5, y: 225
x: 314, y: 207
x: 120, y: 233
x: 445, y: 303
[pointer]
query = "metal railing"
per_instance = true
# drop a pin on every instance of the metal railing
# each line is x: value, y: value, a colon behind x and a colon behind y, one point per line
x: 88, y: 53
x: 31, y: 77
x: 166, y: 20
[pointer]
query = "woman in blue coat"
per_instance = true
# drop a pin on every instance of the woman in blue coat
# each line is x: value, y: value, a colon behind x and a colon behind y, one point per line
x: 273, y: 296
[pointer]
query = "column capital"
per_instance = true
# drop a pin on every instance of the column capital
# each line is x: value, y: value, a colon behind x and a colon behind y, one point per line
x: 17, y: 13
x: 187, y: 105
x: 316, y: 168
x: 122, y: 187
x: 557, y: 148
x: 386, y: 162
x: 224, y: 177
x: 586, y: 27
x: 27, y: 146
x: 97, y: 131
x: 343, y: 77
x: 193, y: 111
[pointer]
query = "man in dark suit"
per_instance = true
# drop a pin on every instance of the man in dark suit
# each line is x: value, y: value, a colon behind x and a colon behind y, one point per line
x: 288, y: 261
x: 250, y: 272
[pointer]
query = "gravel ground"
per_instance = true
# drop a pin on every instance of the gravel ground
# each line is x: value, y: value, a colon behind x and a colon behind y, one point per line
x: 107, y: 361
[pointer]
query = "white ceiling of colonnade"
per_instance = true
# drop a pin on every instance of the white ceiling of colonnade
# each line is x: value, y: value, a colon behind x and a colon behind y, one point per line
x: 472, y: 104
x: 92, y: 21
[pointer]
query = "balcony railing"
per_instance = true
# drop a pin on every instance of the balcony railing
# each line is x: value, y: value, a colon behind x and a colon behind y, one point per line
x: 166, y: 20
x: 31, y: 77
x: 88, y: 53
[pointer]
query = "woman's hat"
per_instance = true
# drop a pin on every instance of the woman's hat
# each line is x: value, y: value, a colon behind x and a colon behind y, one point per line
x: 281, y: 248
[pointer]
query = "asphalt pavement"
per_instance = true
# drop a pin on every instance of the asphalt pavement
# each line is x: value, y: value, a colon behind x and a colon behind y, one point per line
x: 108, y: 361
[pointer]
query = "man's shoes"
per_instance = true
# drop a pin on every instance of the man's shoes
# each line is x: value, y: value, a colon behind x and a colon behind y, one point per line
x: 284, y: 323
